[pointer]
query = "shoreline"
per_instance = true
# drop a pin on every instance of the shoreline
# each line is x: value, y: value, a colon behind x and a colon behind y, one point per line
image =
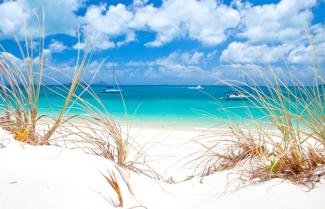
x: 180, y: 124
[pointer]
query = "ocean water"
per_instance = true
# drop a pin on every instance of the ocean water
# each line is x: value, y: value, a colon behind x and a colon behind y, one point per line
x: 159, y: 105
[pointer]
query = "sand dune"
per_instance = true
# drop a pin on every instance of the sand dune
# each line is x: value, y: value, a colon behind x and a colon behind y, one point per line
x: 51, y: 177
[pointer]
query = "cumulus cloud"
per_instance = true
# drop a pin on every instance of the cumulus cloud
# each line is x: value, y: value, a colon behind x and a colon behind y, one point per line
x: 102, y: 25
x: 172, y: 20
x: 209, y: 22
x: 238, y: 52
x: 183, y: 66
x: 268, y: 33
x: 275, y: 34
x: 13, y: 17
x: 281, y: 22
x: 299, y: 55
x: 20, y: 17
x: 179, y: 65
x: 54, y: 73
x: 79, y: 46
x: 175, y: 64
x: 130, y: 36
x: 299, y: 52
x: 175, y: 68
x: 191, y: 18
x: 57, y: 46
x: 304, y: 54
x: 54, y: 47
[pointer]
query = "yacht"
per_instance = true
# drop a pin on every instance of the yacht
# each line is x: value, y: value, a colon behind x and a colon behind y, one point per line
x: 236, y: 95
x: 112, y: 90
x: 199, y: 87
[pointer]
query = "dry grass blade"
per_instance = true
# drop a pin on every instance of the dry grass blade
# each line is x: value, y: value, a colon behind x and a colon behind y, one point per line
x: 111, y: 179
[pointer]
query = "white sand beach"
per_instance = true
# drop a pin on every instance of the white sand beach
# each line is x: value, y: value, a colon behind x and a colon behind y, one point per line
x: 52, y: 177
x: 162, y: 104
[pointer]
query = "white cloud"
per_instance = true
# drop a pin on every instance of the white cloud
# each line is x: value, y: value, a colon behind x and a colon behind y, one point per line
x: 205, y: 21
x: 140, y: 3
x: 176, y: 64
x: 282, y: 22
x: 304, y: 54
x: 57, y: 46
x: 6, y: 56
x: 166, y: 69
x: 318, y: 33
x: 54, y: 73
x: 194, y: 58
x: 298, y: 56
x: 54, y: 47
x: 20, y: 17
x: 59, y: 15
x: 211, y: 55
x: 13, y: 18
x: 79, y: 46
x: 129, y: 38
x: 209, y: 22
x: 238, y: 52
x: 296, y: 52
x: 101, y: 25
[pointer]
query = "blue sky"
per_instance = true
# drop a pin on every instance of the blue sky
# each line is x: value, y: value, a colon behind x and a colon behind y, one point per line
x: 170, y: 41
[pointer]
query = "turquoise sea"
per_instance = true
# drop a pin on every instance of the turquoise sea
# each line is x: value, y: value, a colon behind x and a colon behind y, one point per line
x: 160, y: 105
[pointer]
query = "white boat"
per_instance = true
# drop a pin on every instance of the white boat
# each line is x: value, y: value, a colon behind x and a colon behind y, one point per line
x: 199, y: 87
x: 236, y: 95
x: 115, y: 88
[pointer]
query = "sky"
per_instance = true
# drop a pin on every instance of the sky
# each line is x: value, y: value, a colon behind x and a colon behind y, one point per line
x: 168, y: 41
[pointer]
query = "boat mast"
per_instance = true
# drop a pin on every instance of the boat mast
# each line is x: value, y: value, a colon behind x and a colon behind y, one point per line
x: 116, y: 85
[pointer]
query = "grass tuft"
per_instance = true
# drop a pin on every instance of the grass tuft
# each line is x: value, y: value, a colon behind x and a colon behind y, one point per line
x: 288, y: 143
x: 20, y: 92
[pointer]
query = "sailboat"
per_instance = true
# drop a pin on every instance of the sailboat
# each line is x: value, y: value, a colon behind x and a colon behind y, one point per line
x: 115, y: 88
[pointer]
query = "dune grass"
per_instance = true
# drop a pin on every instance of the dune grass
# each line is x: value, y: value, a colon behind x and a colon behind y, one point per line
x: 288, y: 143
x: 20, y: 90
x: 296, y: 149
x: 93, y: 129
